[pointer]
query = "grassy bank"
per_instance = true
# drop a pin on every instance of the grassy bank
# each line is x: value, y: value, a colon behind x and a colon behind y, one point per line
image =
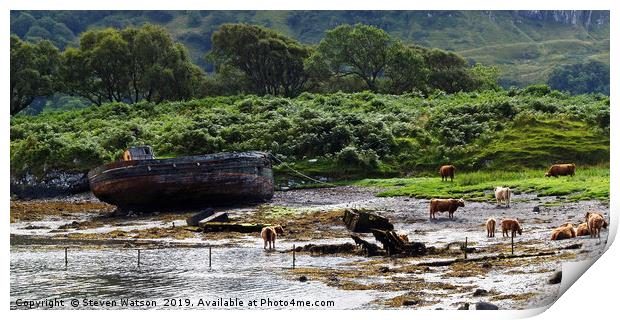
x: 336, y: 136
x: 588, y: 183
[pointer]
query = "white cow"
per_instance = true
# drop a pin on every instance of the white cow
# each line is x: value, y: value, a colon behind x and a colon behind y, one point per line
x: 502, y: 195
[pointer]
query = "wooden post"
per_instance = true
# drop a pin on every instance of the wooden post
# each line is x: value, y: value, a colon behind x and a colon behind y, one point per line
x: 66, y: 260
x: 293, y: 256
x: 209, y: 256
x: 138, y: 258
x: 512, y: 243
x: 465, y: 249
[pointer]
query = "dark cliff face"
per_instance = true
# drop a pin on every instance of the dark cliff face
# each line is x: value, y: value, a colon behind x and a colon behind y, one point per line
x: 586, y: 18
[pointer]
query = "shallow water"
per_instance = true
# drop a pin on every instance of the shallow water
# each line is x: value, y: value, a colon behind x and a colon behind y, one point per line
x: 175, y: 273
x: 242, y: 270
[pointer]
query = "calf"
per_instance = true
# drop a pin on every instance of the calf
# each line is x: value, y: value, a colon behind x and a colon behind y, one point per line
x: 447, y: 171
x: 595, y: 223
x: 557, y: 170
x: 565, y: 231
x: 443, y: 205
x: 511, y: 225
x: 502, y: 195
x: 490, y: 227
x: 269, y: 235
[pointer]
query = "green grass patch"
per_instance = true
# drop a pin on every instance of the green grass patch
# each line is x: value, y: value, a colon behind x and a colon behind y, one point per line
x: 588, y: 183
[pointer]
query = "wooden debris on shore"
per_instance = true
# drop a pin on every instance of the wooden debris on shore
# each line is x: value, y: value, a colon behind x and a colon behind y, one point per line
x: 362, y: 221
x: 232, y: 226
x: 393, y: 244
x: 207, y: 215
x: 371, y: 249
x: 329, y: 248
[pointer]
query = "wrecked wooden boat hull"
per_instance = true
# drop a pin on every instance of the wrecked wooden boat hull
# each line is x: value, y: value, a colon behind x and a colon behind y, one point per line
x: 184, y: 182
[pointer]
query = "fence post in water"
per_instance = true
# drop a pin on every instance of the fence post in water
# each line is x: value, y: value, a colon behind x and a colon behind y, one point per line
x: 293, y: 256
x: 465, y: 249
x: 512, y: 243
x: 209, y: 256
x: 66, y: 260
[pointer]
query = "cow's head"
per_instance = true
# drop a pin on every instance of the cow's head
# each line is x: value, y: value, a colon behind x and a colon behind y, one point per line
x: 461, y: 202
x: 588, y: 214
x: 547, y: 175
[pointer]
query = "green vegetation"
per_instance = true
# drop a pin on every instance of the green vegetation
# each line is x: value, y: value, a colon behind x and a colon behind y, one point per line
x: 526, y: 46
x: 135, y: 64
x: 350, y: 135
x: 579, y: 78
x: 588, y: 183
x: 33, y: 71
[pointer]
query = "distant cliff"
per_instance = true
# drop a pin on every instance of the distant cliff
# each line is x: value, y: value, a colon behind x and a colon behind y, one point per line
x: 586, y: 18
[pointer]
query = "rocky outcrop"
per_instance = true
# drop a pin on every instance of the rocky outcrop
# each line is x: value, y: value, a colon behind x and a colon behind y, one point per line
x: 586, y: 18
x: 52, y: 184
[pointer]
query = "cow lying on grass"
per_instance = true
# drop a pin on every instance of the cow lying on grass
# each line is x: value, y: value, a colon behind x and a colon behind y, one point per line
x: 269, y: 235
x: 565, y: 231
x: 511, y: 225
x: 443, y: 205
x: 595, y: 223
x: 447, y: 171
x: 557, y: 170
x: 502, y: 195
x: 490, y: 227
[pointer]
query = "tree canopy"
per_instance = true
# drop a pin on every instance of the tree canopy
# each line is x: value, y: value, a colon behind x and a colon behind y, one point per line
x: 360, y: 50
x: 33, y: 71
x: 273, y: 63
x: 589, y: 77
x: 130, y: 65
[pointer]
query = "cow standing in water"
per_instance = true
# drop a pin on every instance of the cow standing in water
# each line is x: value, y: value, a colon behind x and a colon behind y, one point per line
x: 443, y: 205
x: 490, y: 227
x: 269, y: 235
x: 447, y: 171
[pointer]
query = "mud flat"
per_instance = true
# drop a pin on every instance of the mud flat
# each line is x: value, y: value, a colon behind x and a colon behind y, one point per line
x: 100, y: 241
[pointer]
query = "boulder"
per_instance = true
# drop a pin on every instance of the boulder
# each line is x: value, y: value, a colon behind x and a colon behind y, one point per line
x: 480, y: 293
x: 486, y: 306
x: 465, y: 306
x: 555, y: 278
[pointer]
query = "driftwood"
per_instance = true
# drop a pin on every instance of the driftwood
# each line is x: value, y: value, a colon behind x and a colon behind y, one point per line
x: 371, y: 249
x: 195, y: 219
x: 231, y: 226
x: 329, y: 248
x: 393, y: 244
x: 217, y: 217
x: 363, y: 221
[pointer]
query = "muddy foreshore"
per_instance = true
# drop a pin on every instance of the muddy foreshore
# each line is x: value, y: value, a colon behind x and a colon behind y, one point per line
x: 313, y: 216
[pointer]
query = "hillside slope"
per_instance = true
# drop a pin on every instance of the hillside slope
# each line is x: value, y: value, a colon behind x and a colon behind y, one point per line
x: 526, y: 45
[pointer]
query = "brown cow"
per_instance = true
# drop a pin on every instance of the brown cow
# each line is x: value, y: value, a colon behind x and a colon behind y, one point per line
x: 447, y: 171
x: 582, y: 230
x: 595, y: 222
x: 511, y: 225
x: 561, y: 170
x: 490, y: 228
x: 443, y: 205
x: 269, y: 235
x: 565, y: 231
